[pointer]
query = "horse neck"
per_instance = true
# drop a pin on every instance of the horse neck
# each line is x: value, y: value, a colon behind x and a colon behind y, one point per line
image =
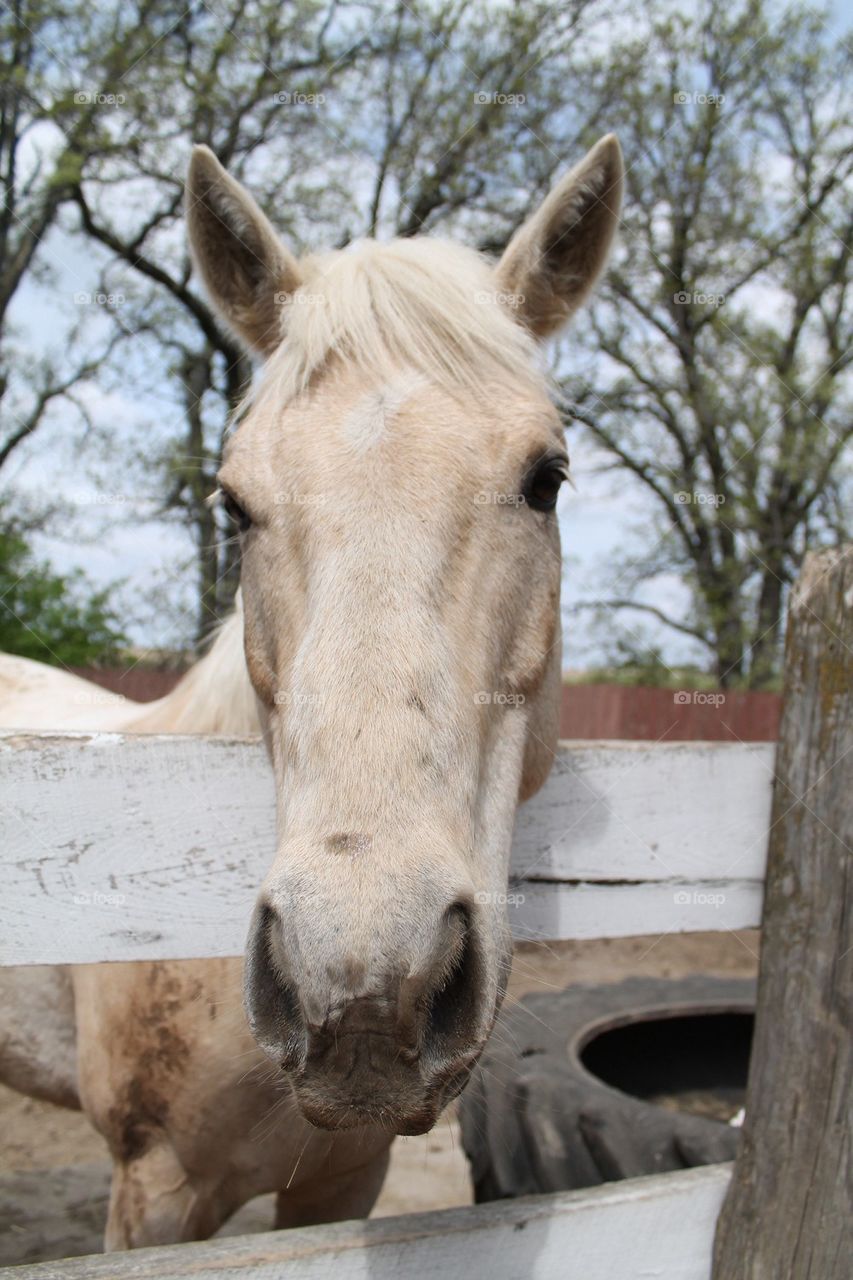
x: 215, y: 696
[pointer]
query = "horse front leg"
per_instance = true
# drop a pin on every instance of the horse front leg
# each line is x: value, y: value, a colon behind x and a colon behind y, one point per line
x: 156, y: 1066
x: 153, y: 1202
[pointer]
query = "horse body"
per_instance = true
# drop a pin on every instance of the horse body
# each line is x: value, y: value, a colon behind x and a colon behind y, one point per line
x: 393, y: 480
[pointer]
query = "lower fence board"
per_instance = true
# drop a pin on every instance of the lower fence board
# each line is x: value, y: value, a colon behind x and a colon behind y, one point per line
x: 127, y: 847
x: 660, y: 1227
x: 554, y: 910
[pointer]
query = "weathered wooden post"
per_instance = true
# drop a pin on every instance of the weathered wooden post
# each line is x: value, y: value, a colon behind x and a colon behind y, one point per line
x: 788, y: 1214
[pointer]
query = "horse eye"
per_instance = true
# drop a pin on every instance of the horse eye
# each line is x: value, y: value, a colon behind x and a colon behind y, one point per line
x: 544, y: 484
x: 235, y: 512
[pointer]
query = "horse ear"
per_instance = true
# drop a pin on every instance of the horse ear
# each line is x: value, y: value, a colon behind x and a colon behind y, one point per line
x: 554, y: 259
x: 243, y: 263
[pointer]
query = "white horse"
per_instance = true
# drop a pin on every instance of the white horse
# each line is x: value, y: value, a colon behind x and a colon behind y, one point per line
x: 393, y: 481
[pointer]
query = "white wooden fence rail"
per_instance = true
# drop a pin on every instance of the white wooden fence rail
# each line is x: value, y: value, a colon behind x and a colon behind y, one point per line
x: 131, y: 848
x: 659, y: 1228
x: 121, y: 847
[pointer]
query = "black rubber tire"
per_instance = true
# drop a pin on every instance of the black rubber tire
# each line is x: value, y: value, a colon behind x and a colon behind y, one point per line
x: 535, y: 1120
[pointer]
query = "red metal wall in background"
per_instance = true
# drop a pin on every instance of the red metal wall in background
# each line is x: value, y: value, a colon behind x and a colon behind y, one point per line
x: 633, y: 711
x: 588, y: 710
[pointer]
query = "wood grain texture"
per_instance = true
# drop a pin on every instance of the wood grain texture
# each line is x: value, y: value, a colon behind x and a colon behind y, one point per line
x: 660, y: 1227
x: 139, y: 848
x: 789, y: 1212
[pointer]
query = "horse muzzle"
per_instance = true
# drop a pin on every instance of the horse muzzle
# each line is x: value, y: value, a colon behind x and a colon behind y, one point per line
x: 371, y: 1036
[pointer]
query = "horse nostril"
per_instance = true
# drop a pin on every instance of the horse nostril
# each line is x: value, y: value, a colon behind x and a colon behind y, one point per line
x: 453, y: 1008
x: 272, y: 1005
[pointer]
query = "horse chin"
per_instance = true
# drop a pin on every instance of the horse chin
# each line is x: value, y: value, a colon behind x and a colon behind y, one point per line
x: 367, y: 1114
x: 411, y: 1112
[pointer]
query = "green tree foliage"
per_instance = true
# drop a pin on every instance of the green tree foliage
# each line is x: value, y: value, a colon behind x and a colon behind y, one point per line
x: 52, y: 617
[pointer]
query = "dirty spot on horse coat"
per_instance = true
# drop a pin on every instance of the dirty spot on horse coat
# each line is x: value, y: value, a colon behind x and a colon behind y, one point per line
x: 353, y: 843
x: 159, y: 1056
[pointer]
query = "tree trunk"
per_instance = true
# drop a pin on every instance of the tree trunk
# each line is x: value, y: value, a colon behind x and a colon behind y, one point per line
x: 764, y: 663
x: 238, y: 379
x: 197, y: 380
x: 729, y: 650
x: 787, y: 1215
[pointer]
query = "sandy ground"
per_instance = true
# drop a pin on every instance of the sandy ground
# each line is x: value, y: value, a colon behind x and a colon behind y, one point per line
x: 54, y: 1171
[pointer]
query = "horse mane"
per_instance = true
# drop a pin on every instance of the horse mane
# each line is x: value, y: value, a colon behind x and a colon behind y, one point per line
x: 421, y: 303
x: 215, y: 696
